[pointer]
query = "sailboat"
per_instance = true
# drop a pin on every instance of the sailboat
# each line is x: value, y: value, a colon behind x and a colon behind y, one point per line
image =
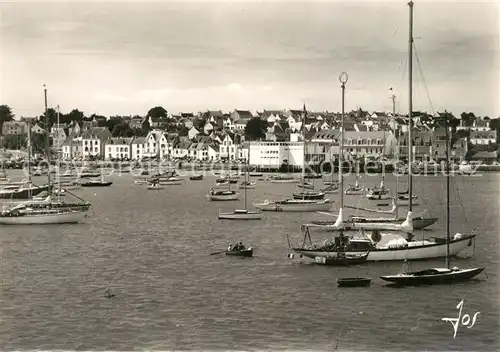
x: 243, y: 214
x: 48, y: 211
x: 355, y: 189
x: 435, y: 275
x: 398, y: 249
x: 305, y: 201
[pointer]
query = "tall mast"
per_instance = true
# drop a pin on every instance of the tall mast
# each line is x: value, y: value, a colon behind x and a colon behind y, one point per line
x: 447, y: 195
x: 246, y: 175
x: 410, y: 107
x: 304, y: 151
x: 58, y: 161
x: 49, y: 189
x: 398, y: 136
x: 29, y: 157
x: 343, y: 79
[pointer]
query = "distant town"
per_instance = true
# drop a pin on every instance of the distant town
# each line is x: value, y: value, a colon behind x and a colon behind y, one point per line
x: 270, y: 138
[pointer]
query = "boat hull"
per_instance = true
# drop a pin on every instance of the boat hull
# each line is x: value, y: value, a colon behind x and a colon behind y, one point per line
x: 45, y: 219
x: 294, y: 207
x: 428, y: 251
x: 23, y: 193
x: 353, y: 282
x: 96, y: 184
x: 243, y: 253
x: 447, y: 277
x: 344, y: 260
x: 309, y: 195
x: 292, y: 180
x: 229, y: 197
x: 241, y: 215
x: 369, y: 225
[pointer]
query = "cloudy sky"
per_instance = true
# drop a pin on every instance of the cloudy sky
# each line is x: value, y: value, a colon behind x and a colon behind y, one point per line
x: 118, y: 57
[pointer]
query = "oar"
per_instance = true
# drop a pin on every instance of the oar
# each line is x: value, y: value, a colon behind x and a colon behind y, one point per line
x: 217, y: 253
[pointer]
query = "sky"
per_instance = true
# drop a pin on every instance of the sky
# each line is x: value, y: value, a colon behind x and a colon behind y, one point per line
x: 123, y: 57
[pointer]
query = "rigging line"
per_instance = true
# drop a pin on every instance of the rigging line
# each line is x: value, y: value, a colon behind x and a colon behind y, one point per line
x: 423, y: 79
x: 460, y: 201
x: 402, y: 79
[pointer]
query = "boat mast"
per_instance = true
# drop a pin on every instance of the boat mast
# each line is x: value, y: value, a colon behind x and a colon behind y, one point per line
x: 47, y: 139
x: 343, y: 79
x: 246, y: 176
x: 447, y: 195
x: 398, y: 136
x: 58, y: 162
x: 29, y: 158
x: 410, y: 107
x: 304, y: 152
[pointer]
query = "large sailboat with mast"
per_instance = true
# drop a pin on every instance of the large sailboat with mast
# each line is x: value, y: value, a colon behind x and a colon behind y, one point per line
x: 46, y: 211
x: 401, y: 249
x: 432, y: 276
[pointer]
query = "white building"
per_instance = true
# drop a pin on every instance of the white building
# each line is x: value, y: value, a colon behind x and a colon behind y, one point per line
x: 274, y: 154
x: 137, y: 147
x: 228, y: 149
x: 93, y: 141
x: 483, y: 137
x: 156, y: 145
x: 72, y: 149
x: 118, y: 149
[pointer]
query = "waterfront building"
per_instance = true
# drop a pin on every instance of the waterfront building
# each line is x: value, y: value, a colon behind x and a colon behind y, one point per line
x: 93, y: 141
x: 272, y: 154
x: 118, y: 148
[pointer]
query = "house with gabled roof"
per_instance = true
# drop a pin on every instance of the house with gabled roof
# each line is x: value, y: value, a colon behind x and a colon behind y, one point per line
x: 72, y: 148
x: 193, y: 132
x: 93, y: 141
x: 156, y: 144
x: 118, y: 149
x: 228, y: 149
x: 181, y: 150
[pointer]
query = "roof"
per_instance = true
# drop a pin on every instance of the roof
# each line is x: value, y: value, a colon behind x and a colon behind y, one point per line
x: 139, y: 140
x: 96, y: 133
x: 485, y: 155
x: 244, y: 113
x: 243, y: 121
x: 327, y: 134
x: 119, y: 141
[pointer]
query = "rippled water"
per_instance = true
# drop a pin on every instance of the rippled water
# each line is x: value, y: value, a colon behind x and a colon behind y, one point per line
x: 152, y: 248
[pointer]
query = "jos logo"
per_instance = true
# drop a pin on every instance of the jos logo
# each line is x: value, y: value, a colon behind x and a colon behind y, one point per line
x: 465, y: 320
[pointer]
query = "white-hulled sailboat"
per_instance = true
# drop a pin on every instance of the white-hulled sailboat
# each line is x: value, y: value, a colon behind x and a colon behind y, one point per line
x: 243, y: 214
x: 398, y: 249
x: 48, y: 211
x: 433, y: 276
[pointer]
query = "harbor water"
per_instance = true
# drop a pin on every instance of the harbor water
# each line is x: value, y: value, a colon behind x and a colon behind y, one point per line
x: 152, y: 250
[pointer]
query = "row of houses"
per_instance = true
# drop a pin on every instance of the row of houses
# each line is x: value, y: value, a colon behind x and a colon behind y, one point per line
x: 97, y: 142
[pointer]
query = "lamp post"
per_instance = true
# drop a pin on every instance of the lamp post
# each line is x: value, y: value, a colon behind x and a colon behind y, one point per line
x: 343, y: 79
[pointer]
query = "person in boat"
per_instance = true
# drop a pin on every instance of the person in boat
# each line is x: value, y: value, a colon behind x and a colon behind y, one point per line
x: 241, y: 246
x: 230, y: 247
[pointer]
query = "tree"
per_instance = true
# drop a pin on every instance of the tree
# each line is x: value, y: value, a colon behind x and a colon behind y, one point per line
x: 15, y: 141
x: 122, y: 130
x: 138, y: 132
x: 495, y: 125
x: 447, y: 117
x: 51, y: 116
x: 146, y: 127
x: 468, y: 118
x: 5, y: 115
x: 255, y: 129
x: 75, y: 115
x: 157, y: 112
x: 113, y: 122
x: 183, y: 131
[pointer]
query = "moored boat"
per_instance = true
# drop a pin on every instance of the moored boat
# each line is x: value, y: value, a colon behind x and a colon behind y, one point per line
x: 241, y: 214
x: 222, y: 195
x: 309, y: 195
x: 247, y: 252
x: 342, y: 259
x: 196, y: 177
x: 93, y: 183
x: 354, y: 281
x: 295, y: 205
